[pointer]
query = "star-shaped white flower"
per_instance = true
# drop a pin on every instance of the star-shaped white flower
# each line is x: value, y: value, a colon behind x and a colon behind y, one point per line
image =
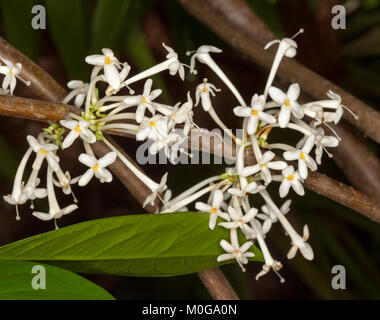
x: 96, y: 167
x: 155, y: 128
x: 322, y: 142
x: 203, y: 92
x: 213, y: 209
x: 241, y: 254
x: 182, y: 114
x: 254, y: 113
x: 159, y: 189
x: 290, y: 179
x: 77, y: 129
x: 11, y: 72
x: 288, y: 103
x: 263, y: 166
x: 202, y: 54
x: 248, y: 188
x: 304, y: 160
x: 43, y: 151
x: 144, y: 101
x: 269, y: 216
x: 79, y: 91
x: 110, y: 64
x: 301, y: 244
x: 175, y: 66
x: 239, y: 220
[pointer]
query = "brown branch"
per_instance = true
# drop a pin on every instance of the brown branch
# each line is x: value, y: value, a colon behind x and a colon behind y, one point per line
x: 343, y: 194
x: 46, y: 87
x: 213, y: 14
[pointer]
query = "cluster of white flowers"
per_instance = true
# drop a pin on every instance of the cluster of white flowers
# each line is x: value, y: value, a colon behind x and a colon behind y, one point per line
x: 143, y: 117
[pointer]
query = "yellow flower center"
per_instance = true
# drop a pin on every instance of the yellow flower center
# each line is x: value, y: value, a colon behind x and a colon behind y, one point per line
x: 213, y: 210
x: 143, y: 100
x: 254, y: 112
x: 290, y: 177
x: 11, y: 72
x: 287, y: 103
x: 236, y: 251
x: 77, y: 129
x: 152, y: 124
x: 302, y: 156
x: 173, y: 115
x: 262, y: 165
x: 204, y: 89
x: 96, y: 167
x: 107, y: 60
x: 44, y: 152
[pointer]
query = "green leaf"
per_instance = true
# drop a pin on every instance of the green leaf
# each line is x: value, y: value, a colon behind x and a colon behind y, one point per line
x: 108, y: 22
x: 16, y: 20
x: 144, y: 245
x: 16, y: 283
x: 66, y: 24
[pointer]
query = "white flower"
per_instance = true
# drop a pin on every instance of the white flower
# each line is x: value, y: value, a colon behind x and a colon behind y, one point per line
x: 154, y: 128
x: 79, y: 91
x: 202, y: 54
x: 55, y: 212
x: 254, y: 113
x: 110, y: 64
x: 96, y: 167
x: 166, y: 205
x: 288, y: 103
x: 239, y: 220
x: 321, y: 142
x: 269, y: 216
x: 301, y: 244
x: 164, y: 142
x: 183, y: 114
x: 78, y: 129
x: 243, y: 191
x: 18, y: 196
x: 203, y: 92
x: 291, y: 179
x: 43, y: 151
x: 263, y: 165
x: 304, y: 160
x: 143, y: 101
x: 213, y: 209
x: 241, y: 254
x: 159, y: 189
x: 11, y: 72
x: 174, y: 66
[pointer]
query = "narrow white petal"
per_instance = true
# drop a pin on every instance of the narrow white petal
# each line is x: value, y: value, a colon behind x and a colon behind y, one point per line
x: 86, y: 177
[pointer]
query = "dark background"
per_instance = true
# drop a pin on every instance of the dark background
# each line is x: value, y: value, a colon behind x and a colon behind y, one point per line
x: 135, y: 31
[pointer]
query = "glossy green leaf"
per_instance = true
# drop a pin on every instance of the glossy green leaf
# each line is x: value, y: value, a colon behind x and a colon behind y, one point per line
x: 16, y: 19
x: 66, y: 25
x: 16, y: 283
x: 108, y: 23
x: 154, y: 245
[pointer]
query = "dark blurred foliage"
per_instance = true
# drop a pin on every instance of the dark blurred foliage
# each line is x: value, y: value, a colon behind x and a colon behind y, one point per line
x: 135, y: 31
